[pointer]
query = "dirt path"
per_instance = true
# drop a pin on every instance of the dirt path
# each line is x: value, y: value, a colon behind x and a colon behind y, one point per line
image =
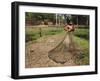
x: 37, y: 53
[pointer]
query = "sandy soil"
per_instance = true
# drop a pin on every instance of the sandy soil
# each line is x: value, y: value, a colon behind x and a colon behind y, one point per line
x: 37, y: 53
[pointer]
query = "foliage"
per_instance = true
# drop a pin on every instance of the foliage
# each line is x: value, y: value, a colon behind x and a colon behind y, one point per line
x: 37, y: 17
x: 57, y: 18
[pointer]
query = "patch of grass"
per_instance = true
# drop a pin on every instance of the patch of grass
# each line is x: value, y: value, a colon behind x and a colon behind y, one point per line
x: 32, y: 34
x: 83, y: 57
x: 82, y: 33
x: 53, y: 31
x: 31, y: 37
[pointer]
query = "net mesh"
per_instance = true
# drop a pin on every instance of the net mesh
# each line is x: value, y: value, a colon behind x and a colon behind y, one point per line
x: 65, y: 50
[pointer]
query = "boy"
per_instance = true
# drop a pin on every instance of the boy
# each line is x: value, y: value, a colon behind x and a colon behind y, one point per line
x: 69, y: 27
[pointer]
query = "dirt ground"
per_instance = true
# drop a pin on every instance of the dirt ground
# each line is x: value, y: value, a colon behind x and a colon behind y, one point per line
x: 37, y: 53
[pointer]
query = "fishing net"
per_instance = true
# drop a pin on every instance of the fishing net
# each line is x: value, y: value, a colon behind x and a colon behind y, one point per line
x: 65, y: 50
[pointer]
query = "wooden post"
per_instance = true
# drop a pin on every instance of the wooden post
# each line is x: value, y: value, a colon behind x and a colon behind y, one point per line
x: 40, y: 31
x: 77, y: 20
x: 56, y: 19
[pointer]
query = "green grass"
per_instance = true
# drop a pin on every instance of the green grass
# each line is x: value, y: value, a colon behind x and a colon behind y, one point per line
x: 82, y: 33
x: 32, y: 34
x: 81, y: 37
x: 83, y: 57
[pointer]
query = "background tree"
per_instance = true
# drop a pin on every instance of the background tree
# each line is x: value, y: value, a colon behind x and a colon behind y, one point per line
x: 57, y: 19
